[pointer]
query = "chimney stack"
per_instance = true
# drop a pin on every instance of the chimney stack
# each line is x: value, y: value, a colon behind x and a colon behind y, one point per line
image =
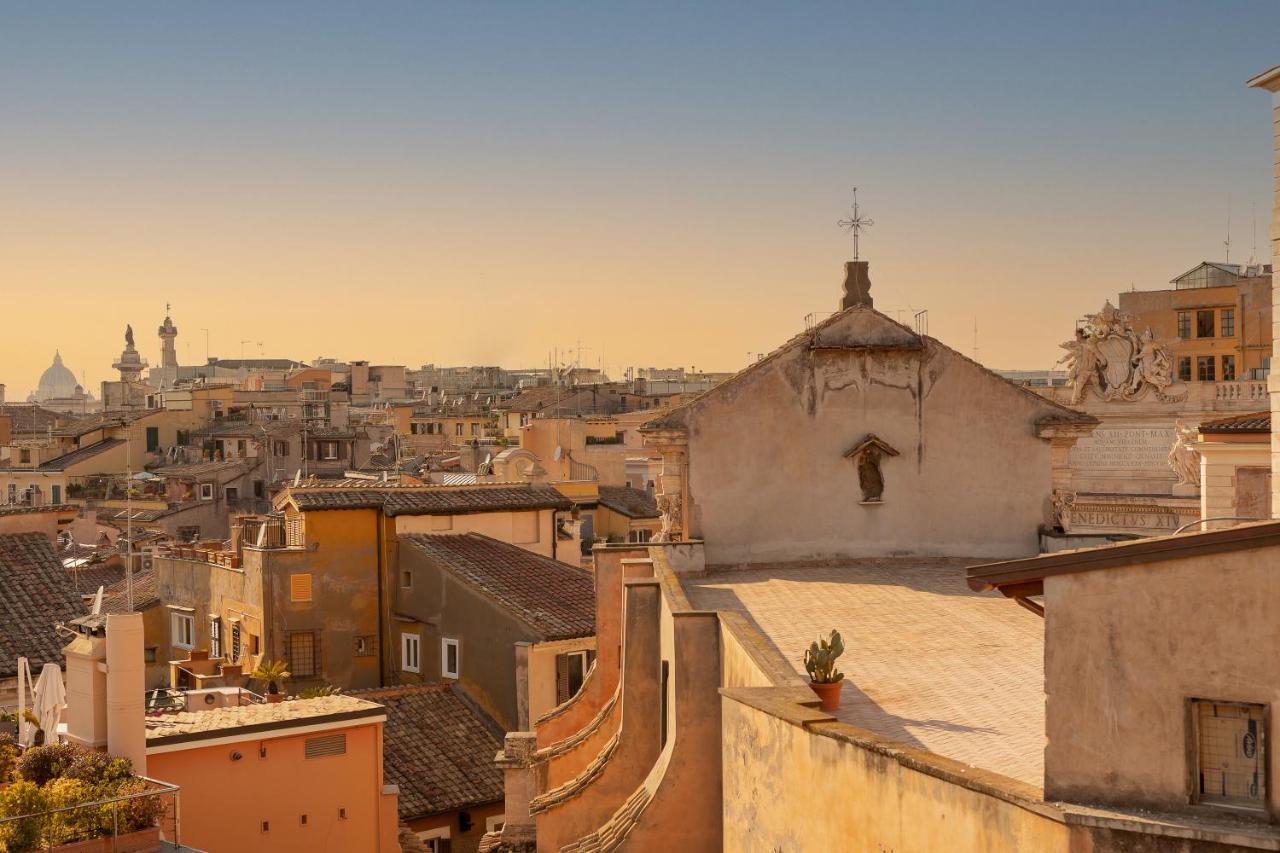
x: 1, y: 393
x: 857, y: 284
x: 106, y: 682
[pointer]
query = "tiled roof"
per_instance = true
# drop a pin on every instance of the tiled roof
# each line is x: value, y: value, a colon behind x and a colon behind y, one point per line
x: 555, y: 599
x: 24, y: 510
x: 221, y: 722
x: 27, y: 417
x: 199, y: 469
x: 438, y: 749
x: 430, y: 500
x: 68, y: 459
x: 34, y: 595
x: 146, y: 592
x: 633, y: 503
x: 1255, y: 422
x: 86, y: 579
x: 230, y: 426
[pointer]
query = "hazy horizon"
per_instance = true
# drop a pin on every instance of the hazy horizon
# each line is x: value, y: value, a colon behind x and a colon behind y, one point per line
x: 480, y: 184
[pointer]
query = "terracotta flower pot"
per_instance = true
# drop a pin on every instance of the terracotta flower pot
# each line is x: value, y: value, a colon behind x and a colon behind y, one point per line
x: 829, y: 694
x: 273, y: 698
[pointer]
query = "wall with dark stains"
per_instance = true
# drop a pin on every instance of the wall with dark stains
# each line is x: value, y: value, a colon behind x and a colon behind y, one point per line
x: 768, y: 478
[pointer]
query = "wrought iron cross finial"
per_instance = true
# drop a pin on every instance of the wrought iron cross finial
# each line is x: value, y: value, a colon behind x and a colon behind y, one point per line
x: 855, y: 223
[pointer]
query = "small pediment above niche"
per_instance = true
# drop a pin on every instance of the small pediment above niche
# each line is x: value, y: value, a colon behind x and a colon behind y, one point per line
x: 867, y: 455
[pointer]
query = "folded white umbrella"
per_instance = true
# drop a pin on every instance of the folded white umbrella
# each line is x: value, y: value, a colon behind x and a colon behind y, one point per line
x: 51, y: 698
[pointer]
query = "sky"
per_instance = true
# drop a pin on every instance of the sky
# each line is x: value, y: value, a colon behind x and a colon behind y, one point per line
x: 647, y: 184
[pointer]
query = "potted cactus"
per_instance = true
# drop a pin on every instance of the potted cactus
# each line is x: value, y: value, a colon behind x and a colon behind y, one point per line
x: 820, y: 663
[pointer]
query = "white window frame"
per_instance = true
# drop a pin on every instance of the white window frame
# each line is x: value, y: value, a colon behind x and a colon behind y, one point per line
x: 206, y: 491
x: 183, y: 624
x: 445, y: 643
x: 494, y: 823
x: 215, y: 636
x: 410, y: 652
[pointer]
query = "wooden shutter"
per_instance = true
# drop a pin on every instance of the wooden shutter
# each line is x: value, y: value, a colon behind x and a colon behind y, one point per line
x: 562, y: 679
x: 300, y: 587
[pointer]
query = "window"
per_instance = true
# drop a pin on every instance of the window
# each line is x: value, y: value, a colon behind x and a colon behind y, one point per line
x: 13, y: 493
x: 435, y: 840
x: 1229, y: 745
x: 206, y: 491
x: 1204, y: 324
x: 475, y: 429
x: 233, y: 494
x: 406, y: 579
x: 300, y: 587
x: 449, y: 662
x: 571, y: 671
x: 149, y: 654
x: 259, y: 489
x: 55, y: 494
x: 1184, y: 368
x: 457, y: 428
x: 24, y: 454
x: 1228, y: 318
x: 329, y: 449
x: 280, y: 448
x: 236, y: 648
x: 1205, y: 368
x: 215, y: 637
x: 153, y: 439
x: 294, y: 537
x: 410, y: 653
x: 495, y: 823
x: 302, y: 654
x: 184, y: 631
x: 365, y: 647
x: 242, y: 447
x: 183, y: 438
x: 639, y: 535
x: 189, y: 533
x: 1228, y: 369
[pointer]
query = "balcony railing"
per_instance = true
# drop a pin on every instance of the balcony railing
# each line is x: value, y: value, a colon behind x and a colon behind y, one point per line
x: 152, y: 811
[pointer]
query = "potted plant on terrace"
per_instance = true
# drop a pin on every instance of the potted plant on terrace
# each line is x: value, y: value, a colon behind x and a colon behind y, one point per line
x: 820, y: 663
x: 271, y: 672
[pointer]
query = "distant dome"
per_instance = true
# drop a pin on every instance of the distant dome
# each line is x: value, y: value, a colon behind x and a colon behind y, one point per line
x: 57, y: 381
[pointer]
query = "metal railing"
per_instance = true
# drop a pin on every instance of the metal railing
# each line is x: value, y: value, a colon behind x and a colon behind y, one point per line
x: 155, y: 808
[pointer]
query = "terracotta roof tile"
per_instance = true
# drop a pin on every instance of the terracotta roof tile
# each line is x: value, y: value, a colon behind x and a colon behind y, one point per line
x: 431, y: 500
x: 146, y: 592
x: 34, y: 595
x: 438, y: 749
x: 1254, y: 422
x: 218, y: 722
x: 553, y: 598
x: 633, y: 503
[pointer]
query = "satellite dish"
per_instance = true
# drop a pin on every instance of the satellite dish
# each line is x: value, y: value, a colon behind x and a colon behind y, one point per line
x: 559, y: 452
x: 97, y: 603
x: 488, y: 459
x: 297, y: 478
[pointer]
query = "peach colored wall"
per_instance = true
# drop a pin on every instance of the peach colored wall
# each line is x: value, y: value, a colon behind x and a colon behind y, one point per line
x: 1126, y: 647
x: 517, y: 528
x: 224, y: 802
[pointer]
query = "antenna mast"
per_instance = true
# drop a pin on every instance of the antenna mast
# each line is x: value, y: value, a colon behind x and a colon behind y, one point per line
x: 1227, y: 242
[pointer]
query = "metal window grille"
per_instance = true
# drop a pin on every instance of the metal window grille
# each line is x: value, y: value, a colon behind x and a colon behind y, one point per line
x: 235, y: 642
x: 302, y: 654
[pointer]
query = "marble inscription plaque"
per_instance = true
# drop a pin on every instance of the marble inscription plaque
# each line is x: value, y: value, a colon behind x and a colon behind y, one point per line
x: 1124, y: 449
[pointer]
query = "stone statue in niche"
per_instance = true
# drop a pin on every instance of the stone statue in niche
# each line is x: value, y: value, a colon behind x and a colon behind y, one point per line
x: 867, y: 456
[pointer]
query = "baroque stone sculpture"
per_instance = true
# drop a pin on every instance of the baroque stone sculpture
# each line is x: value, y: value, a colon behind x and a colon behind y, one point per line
x: 669, y: 506
x: 1184, y: 459
x: 1109, y: 356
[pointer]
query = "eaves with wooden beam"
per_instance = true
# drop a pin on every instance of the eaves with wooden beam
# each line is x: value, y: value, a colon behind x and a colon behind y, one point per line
x: 1022, y: 579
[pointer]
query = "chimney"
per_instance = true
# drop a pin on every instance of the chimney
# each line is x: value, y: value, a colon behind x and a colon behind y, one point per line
x: 857, y: 284
x: 105, y: 685
x: 1, y: 393
x: 126, y: 687
x: 87, y: 683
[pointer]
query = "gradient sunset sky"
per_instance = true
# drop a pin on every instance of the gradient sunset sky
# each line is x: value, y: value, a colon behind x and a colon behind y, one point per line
x: 478, y: 183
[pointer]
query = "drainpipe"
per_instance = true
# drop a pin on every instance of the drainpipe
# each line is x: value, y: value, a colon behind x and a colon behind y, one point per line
x: 382, y: 640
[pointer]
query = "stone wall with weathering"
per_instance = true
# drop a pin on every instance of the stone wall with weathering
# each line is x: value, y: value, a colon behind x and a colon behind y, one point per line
x: 970, y: 476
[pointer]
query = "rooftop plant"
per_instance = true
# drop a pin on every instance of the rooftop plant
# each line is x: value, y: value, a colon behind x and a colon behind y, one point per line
x: 271, y: 672
x: 820, y: 659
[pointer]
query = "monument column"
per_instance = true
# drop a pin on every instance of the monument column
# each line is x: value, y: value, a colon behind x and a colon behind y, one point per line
x: 1270, y: 81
